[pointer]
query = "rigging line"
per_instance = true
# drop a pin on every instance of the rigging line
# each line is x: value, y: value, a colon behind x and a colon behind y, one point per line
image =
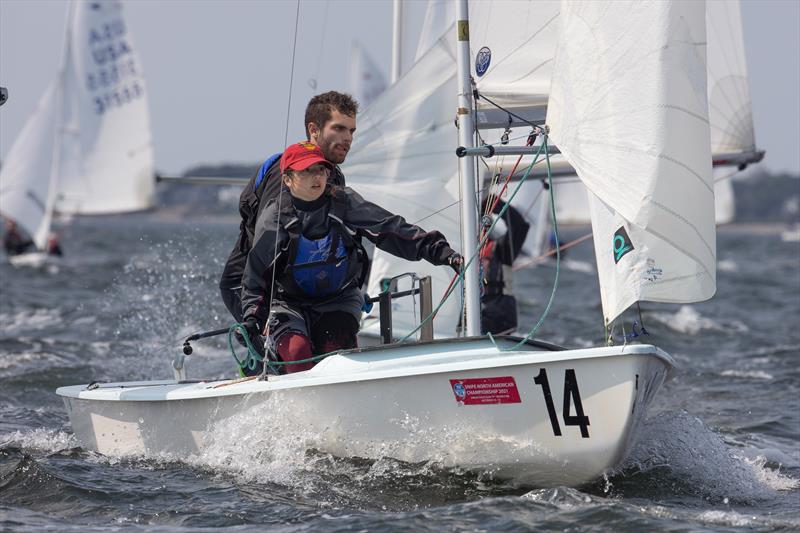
x: 535, y: 260
x: 448, y: 206
x: 315, y: 79
x: 291, y: 74
x: 546, y: 311
x: 280, y: 192
x: 478, y: 247
x: 498, y: 106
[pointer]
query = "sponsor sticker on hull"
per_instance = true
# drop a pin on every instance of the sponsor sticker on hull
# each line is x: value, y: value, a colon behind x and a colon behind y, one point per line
x: 483, y: 391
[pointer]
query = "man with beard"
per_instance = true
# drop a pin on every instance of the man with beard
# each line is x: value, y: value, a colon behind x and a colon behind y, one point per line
x: 330, y: 121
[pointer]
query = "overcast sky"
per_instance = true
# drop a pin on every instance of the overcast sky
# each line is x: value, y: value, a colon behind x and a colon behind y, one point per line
x: 218, y: 72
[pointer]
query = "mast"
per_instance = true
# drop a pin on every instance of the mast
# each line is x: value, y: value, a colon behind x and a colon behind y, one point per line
x: 397, y: 29
x: 55, y: 169
x: 469, y: 222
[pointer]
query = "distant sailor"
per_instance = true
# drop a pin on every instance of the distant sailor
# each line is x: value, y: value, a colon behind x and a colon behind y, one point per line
x: 330, y: 121
x: 498, y: 304
x: 14, y: 242
x: 53, y: 246
x: 308, y: 240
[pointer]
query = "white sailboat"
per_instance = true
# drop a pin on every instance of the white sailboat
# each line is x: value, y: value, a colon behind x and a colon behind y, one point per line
x: 520, y: 408
x: 87, y: 149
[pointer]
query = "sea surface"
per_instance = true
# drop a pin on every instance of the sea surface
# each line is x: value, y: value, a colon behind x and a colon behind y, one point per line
x: 719, y: 451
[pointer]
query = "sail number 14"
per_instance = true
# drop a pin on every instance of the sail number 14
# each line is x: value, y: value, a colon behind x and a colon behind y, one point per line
x: 572, y: 396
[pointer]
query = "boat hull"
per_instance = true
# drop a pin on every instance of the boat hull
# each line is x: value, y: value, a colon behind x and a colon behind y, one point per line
x: 539, y: 417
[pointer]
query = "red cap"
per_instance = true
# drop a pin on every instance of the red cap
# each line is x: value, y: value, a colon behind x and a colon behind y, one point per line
x: 302, y: 155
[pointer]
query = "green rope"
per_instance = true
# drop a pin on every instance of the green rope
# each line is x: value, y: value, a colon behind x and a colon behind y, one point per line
x: 253, y: 357
x: 558, y: 261
x: 251, y: 360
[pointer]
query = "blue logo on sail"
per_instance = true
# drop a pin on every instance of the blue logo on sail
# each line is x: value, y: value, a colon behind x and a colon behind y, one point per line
x: 622, y: 244
x: 482, y: 61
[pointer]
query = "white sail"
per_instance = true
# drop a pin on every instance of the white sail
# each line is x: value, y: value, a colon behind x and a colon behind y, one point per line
x: 25, y: 174
x: 366, y: 79
x: 730, y: 108
x: 521, y: 38
x: 629, y: 110
x: 439, y: 15
x: 87, y: 149
x: 109, y: 168
x: 403, y: 161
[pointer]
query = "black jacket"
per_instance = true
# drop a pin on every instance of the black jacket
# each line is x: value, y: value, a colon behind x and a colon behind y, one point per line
x: 263, y: 186
x: 387, y: 231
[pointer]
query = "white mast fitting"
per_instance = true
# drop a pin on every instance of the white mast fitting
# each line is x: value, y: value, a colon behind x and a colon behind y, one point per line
x: 469, y: 226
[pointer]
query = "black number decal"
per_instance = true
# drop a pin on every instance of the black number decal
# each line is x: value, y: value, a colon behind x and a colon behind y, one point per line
x: 572, y: 396
x: 541, y: 379
x: 571, y: 393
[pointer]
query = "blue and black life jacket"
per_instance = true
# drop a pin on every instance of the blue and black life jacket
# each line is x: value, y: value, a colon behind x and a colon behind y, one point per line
x: 322, y: 268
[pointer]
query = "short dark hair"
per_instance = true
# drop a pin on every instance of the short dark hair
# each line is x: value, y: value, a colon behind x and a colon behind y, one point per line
x: 320, y: 108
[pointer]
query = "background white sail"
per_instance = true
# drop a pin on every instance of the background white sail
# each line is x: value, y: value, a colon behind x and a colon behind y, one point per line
x: 404, y: 161
x: 521, y: 36
x: 366, y: 79
x: 729, y: 104
x: 87, y: 149
x: 109, y: 165
x: 629, y: 110
x: 730, y: 107
x: 25, y: 175
x: 404, y: 156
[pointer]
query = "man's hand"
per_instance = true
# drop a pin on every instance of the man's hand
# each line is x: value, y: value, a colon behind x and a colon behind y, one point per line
x: 252, y: 328
x: 456, y: 262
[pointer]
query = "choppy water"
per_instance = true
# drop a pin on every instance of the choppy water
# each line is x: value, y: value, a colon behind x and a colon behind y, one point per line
x: 720, y: 450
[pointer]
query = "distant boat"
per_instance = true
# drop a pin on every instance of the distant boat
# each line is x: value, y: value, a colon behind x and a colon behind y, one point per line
x: 87, y: 149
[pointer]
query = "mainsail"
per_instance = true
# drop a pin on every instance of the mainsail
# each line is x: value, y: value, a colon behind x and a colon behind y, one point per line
x: 629, y: 110
x: 92, y: 125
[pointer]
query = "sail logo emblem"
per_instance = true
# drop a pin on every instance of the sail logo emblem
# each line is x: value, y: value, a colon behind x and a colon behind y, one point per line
x: 482, y: 61
x: 622, y: 244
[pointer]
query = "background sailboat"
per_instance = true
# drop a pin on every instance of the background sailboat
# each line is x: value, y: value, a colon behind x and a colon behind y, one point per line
x: 87, y: 149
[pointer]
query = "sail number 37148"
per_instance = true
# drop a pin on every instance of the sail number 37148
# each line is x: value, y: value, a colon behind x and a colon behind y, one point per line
x: 572, y: 396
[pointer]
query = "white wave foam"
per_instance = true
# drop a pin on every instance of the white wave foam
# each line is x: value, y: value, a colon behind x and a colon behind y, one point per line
x: 26, y: 321
x: 688, y: 320
x: 700, y: 458
x: 747, y: 374
x: 47, y: 440
x: 769, y: 477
